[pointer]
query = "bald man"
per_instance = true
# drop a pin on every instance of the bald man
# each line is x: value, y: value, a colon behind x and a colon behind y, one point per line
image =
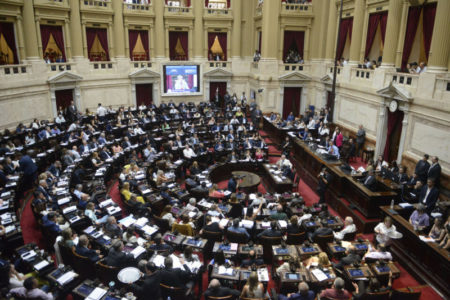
x: 216, y: 290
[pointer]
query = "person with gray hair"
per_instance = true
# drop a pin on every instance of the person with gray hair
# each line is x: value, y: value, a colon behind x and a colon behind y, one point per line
x: 191, y: 206
x: 117, y: 257
x: 112, y: 228
x: 216, y: 290
x: 419, y: 218
x: 337, y: 291
x: 304, y: 293
x: 349, y: 227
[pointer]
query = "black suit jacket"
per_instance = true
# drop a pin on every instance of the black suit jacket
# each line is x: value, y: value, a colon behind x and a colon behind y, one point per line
x: 370, y: 184
x: 174, y: 277
x: 432, y: 198
x: 422, y: 170
x: 348, y: 260
x: 221, y: 291
x: 322, y: 231
x: 434, y: 172
x: 149, y: 286
x: 89, y: 253
x: 119, y: 259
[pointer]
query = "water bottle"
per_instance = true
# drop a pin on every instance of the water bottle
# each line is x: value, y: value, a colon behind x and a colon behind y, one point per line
x: 392, y: 204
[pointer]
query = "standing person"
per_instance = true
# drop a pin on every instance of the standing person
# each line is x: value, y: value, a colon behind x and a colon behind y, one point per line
x: 422, y: 168
x: 72, y: 112
x: 434, y: 172
x: 256, y: 116
x: 324, y: 179
x: 29, y: 169
x: 383, y: 230
x: 360, y: 139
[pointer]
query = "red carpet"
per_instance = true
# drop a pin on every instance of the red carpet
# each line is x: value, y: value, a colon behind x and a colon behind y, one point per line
x: 29, y: 225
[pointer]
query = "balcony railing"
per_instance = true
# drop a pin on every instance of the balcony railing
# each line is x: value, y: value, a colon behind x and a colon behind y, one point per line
x: 96, y: 4
x: 177, y: 9
x: 219, y: 64
x: 296, y: 8
x: 404, y: 79
x: 134, y: 7
x: 361, y: 73
x: 338, y: 71
x: 11, y: 70
x: 217, y: 11
x: 60, y: 67
x: 294, y: 67
x: 52, y: 3
x: 102, y: 65
x: 141, y: 64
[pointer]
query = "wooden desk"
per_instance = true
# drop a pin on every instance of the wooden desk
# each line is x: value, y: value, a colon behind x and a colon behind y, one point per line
x: 245, y: 249
x: 329, y: 272
x: 426, y: 260
x: 249, y: 182
x: 357, y: 273
x: 384, y: 270
x: 263, y: 274
x: 229, y: 250
x: 306, y: 251
x: 197, y: 244
x: 282, y: 186
x: 235, y: 276
x: 283, y: 253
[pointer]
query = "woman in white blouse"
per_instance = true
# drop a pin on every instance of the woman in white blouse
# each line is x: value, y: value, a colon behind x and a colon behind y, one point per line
x: 384, y: 230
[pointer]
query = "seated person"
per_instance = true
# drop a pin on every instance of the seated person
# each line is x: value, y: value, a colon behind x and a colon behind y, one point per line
x: 159, y: 245
x: 291, y: 265
x: 129, y: 236
x: 127, y: 194
x: 374, y: 287
x: 236, y: 229
x: 304, y: 293
x: 233, y: 157
x: 438, y: 229
x: 174, y: 277
x: 150, y: 283
x: 83, y: 198
x: 166, y: 214
x: 216, y: 290
x: 112, y: 228
x: 337, y: 291
x: 252, y: 260
x: 30, y: 290
x: 220, y: 260
x: 253, y: 288
x: 211, y: 226
x: 188, y: 255
x: 83, y: 250
x: 320, y: 260
x: 293, y: 227
x: 445, y: 242
x: 117, y: 257
x: 333, y: 150
x: 271, y: 232
x: 380, y: 252
x: 351, y: 257
x: 283, y: 162
x: 370, y: 181
x: 50, y: 221
x: 322, y: 230
x: 382, y: 231
x: 349, y: 227
x: 215, y: 193
x: 90, y: 213
x: 279, y: 214
x: 419, y: 218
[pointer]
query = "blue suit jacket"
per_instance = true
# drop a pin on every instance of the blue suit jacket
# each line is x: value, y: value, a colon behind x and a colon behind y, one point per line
x: 27, y: 166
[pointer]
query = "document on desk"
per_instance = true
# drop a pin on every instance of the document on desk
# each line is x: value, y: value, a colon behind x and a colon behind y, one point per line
x: 246, y: 224
x: 149, y: 230
x: 282, y: 223
x: 159, y: 261
x: 225, y: 271
x: 194, y: 266
x: 426, y: 239
x: 127, y: 221
x: 265, y: 224
x: 320, y: 276
x: 141, y: 222
x: 96, y: 294
x: 66, y: 277
x: 137, y: 251
x: 223, y: 223
x: 405, y: 205
x: 41, y: 265
x: 263, y: 274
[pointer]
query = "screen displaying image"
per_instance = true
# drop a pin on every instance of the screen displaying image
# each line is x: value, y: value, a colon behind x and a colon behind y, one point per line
x: 181, y: 79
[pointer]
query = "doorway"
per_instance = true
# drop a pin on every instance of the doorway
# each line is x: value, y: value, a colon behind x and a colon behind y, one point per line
x: 144, y: 94
x: 393, y: 134
x: 63, y: 98
x: 221, y: 87
x: 291, y: 101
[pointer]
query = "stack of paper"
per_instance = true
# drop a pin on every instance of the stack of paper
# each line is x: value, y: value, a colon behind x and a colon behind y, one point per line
x: 96, y: 294
x: 66, y: 277
x: 41, y: 265
x: 320, y: 276
x: 137, y: 251
x: 225, y: 271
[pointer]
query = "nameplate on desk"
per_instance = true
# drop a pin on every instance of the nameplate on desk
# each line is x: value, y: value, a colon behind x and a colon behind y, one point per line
x: 292, y: 276
x: 194, y: 242
x: 383, y: 269
x: 282, y: 251
x: 74, y: 219
x: 63, y: 201
x: 308, y: 249
x: 356, y: 272
x: 69, y: 209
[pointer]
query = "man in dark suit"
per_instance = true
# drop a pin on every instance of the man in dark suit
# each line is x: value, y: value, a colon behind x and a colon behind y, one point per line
x: 49, y: 222
x: 271, y: 232
x: 117, y: 258
x: 55, y: 168
x: 83, y: 250
x: 112, y: 228
x: 351, y: 258
x: 434, y: 172
x: 232, y: 184
x: 256, y: 116
x: 72, y: 112
x: 150, y: 283
x: 29, y: 169
x: 422, y: 167
x: 370, y: 180
x: 216, y: 290
x: 429, y: 195
x: 175, y: 277
x: 324, y: 178
x: 322, y: 230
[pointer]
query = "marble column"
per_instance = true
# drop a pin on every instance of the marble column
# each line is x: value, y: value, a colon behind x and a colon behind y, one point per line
x: 270, y: 29
x: 67, y: 40
x: 77, y: 32
x: 392, y: 33
x: 440, y: 43
x: 20, y: 40
x: 236, y: 32
x: 357, y: 32
x: 401, y: 145
x: 118, y: 28
x: 159, y: 29
x: 198, y: 29
x: 331, y: 32
x: 29, y: 26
